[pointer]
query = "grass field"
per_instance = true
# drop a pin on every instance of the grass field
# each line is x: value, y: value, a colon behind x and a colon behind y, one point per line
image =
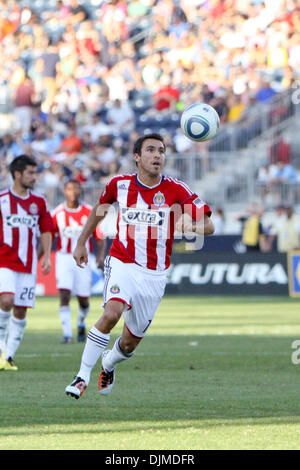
x: 212, y: 373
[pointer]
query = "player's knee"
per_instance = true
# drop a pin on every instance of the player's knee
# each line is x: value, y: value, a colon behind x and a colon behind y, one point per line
x: 110, y: 317
x: 6, y: 302
x: 83, y: 302
x: 65, y: 296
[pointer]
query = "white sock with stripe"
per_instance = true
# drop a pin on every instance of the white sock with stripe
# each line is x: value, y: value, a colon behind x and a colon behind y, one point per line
x: 95, y: 344
x: 4, y: 320
x: 16, y: 329
x: 115, y: 356
x: 65, y: 316
x: 82, y: 314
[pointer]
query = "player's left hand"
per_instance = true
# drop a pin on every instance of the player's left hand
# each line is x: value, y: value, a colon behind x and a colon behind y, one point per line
x: 46, y: 265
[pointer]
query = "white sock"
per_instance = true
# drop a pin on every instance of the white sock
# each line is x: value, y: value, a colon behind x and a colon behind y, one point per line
x: 4, y: 319
x: 15, y: 334
x: 82, y: 314
x: 65, y: 316
x: 95, y: 344
x: 115, y: 356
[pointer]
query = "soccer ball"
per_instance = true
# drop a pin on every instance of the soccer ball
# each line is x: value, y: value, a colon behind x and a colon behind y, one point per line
x: 200, y: 122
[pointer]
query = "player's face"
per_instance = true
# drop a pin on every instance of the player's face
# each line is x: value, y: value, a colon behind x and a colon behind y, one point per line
x: 152, y: 157
x: 72, y: 193
x: 28, y: 177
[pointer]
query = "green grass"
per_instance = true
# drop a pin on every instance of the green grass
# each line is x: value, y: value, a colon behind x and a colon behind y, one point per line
x: 212, y: 373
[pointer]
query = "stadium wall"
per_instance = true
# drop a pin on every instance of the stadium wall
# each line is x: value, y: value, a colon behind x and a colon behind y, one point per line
x: 211, y: 273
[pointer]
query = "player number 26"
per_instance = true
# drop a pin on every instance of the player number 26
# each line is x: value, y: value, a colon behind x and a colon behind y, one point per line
x: 27, y: 293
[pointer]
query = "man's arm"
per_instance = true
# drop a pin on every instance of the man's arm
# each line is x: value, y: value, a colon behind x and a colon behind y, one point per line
x: 97, y: 214
x: 101, y: 247
x: 46, y: 244
x: 204, y: 226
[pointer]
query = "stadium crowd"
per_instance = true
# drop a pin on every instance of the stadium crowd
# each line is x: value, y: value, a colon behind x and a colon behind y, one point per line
x: 80, y: 80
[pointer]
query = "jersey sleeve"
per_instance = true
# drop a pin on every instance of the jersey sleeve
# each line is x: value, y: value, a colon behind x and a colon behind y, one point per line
x: 45, y: 219
x: 109, y: 193
x: 191, y: 203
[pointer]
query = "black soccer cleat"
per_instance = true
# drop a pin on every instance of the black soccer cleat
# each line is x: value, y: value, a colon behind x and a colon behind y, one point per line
x: 81, y: 334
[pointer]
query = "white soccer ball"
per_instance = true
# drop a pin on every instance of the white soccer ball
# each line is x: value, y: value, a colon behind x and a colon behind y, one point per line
x: 200, y: 122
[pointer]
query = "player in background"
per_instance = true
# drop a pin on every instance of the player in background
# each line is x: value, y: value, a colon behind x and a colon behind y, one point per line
x: 139, y: 258
x: 23, y: 217
x: 69, y: 219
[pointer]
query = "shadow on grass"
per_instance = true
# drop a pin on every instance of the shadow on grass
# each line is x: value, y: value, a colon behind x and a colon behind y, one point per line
x: 173, y: 382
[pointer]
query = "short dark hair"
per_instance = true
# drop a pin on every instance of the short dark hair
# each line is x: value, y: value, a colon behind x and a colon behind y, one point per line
x: 137, y: 147
x: 73, y: 181
x: 20, y: 163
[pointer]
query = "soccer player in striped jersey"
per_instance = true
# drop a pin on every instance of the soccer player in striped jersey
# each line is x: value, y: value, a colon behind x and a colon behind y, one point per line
x: 69, y: 219
x: 23, y: 217
x: 150, y: 206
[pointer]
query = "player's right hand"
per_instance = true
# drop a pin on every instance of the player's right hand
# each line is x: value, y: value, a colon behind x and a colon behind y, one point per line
x: 80, y: 255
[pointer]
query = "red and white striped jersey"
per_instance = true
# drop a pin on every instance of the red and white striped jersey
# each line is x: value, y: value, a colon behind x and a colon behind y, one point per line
x: 68, y: 225
x: 147, y: 216
x: 21, y: 222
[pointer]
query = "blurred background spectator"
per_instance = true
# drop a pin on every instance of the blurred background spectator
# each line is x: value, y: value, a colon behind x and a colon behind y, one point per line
x: 219, y: 221
x: 80, y: 80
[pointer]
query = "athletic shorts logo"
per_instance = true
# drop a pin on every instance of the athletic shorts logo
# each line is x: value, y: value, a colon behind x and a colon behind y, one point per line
x: 115, y: 289
x: 159, y: 199
x: 33, y: 208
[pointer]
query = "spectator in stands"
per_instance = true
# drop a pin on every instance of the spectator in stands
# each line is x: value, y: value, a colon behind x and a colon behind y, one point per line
x: 50, y: 61
x: 280, y: 150
x: 136, y: 9
x: 253, y: 235
x: 121, y: 117
x: 284, y: 173
x: 219, y: 221
x: 265, y: 91
x: 24, y: 100
x: 71, y: 144
x: 285, y: 177
x: 97, y: 128
x: 61, y: 12
x: 236, y: 108
x: 167, y: 96
x: 77, y: 12
x: 52, y: 141
x: 278, y: 222
x: 220, y: 104
x: 93, y: 63
x: 264, y: 180
x: 87, y: 144
x: 288, y: 233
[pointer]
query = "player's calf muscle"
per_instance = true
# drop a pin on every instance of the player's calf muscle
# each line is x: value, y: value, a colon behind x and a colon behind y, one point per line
x: 20, y: 312
x: 128, y: 345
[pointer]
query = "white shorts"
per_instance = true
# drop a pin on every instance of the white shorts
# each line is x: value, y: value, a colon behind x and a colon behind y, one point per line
x: 140, y: 290
x: 70, y: 277
x: 22, y: 285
